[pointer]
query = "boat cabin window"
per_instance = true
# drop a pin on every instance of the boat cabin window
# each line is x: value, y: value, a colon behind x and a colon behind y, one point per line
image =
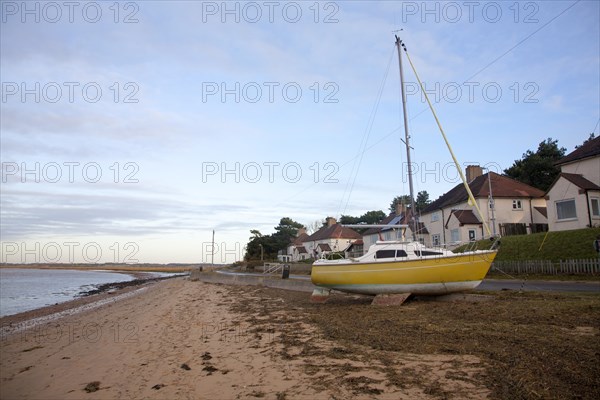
x: 390, y: 253
x: 385, y: 254
x: 423, y: 253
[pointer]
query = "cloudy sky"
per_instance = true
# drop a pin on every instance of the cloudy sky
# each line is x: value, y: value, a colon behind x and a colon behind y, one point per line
x: 131, y: 130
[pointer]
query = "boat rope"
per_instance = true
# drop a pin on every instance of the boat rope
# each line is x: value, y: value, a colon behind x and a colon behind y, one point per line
x: 363, y: 145
x: 462, y: 176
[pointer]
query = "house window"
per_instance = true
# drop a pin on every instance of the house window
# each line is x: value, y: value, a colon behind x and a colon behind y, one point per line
x: 435, y: 217
x: 454, y: 235
x: 471, y: 235
x: 435, y: 240
x: 517, y: 205
x: 566, y: 209
x: 595, y: 207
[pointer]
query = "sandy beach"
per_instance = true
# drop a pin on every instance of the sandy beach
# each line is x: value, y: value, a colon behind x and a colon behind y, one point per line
x: 182, y: 339
x: 178, y: 339
x: 174, y: 339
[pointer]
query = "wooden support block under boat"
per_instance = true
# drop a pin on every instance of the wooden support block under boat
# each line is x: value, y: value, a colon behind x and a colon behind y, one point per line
x: 320, y: 295
x: 390, y: 299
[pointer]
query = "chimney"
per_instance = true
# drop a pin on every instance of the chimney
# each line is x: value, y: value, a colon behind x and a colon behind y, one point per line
x: 473, y: 171
x: 400, y: 208
x: 301, y: 231
x: 331, y: 221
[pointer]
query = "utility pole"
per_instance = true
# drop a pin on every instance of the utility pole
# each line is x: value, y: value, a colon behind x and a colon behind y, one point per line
x: 491, y: 201
x: 212, y: 249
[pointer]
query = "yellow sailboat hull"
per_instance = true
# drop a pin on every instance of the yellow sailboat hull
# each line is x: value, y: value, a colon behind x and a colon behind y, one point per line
x: 428, y: 275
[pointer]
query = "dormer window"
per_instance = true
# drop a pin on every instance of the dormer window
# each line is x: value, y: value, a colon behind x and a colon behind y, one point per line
x: 517, y: 205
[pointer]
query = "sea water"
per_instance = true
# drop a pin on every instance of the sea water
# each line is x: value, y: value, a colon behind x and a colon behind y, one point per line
x: 27, y: 289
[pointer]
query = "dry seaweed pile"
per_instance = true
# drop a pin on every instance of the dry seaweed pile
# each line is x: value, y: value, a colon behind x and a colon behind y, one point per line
x: 533, y: 345
x: 120, y: 285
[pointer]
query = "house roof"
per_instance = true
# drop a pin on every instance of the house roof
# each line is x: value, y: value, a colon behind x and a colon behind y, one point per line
x: 301, y: 238
x: 502, y: 186
x: 324, y: 247
x: 301, y: 249
x: 335, y: 231
x: 542, y: 210
x: 589, y: 149
x: 385, y: 221
x: 392, y: 220
x: 464, y: 217
x: 356, y: 243
x: 580, y: 181
x: 422, y: 229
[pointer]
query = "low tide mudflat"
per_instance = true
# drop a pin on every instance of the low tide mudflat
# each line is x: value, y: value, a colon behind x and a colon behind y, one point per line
x: 184, y: 339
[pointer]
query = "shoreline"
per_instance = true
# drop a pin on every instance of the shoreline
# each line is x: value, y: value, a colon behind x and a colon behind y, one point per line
x: 136, y: 278
x: 110, y: 292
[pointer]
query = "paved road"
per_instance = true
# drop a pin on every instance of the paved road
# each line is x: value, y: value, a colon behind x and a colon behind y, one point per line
x: 498, y: 284
x: 543, y: 286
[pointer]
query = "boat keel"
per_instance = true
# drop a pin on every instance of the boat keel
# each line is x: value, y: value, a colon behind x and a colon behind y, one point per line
x: 390, y: 299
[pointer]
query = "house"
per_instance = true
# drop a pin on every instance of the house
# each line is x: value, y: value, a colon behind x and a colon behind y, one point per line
x: 573, y: 200
x: 296, y: 250
x: 401, y: 216
x: 331, y: 238
x: 356, y: 249
x: 517, y: 208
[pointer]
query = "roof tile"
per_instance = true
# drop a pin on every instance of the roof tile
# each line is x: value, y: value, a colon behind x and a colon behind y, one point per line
x: 464, y: 217
x: 580, y: 181
x: 335, y: 231
x: 589, y: 149
x: 502, y: 186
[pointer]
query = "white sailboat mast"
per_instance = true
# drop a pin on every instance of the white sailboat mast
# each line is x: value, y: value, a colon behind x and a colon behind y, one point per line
x: 399, y: 45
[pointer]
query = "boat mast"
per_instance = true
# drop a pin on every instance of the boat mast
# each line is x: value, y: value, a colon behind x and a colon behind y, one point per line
x: 413, y: 222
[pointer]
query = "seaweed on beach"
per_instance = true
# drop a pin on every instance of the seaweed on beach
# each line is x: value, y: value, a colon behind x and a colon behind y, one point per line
x: 120, y: 285
x: 530, y: 345
x: 92, y: 387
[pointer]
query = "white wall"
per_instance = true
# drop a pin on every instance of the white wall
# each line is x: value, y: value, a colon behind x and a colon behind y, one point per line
x: 504, y: 213
x: 565, y: 190
x: 463, y: 231
x: 340, y: 244
x: 590, y: 169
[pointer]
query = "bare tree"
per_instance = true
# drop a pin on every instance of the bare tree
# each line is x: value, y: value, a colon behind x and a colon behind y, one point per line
x: 314, y: 226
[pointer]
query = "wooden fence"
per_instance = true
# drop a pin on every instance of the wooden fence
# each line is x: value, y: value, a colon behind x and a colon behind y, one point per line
x: 546, y: 267
x: 521, y: 229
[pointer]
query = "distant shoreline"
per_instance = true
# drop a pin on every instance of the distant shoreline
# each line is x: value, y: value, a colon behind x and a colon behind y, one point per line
x: 110, y: 267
